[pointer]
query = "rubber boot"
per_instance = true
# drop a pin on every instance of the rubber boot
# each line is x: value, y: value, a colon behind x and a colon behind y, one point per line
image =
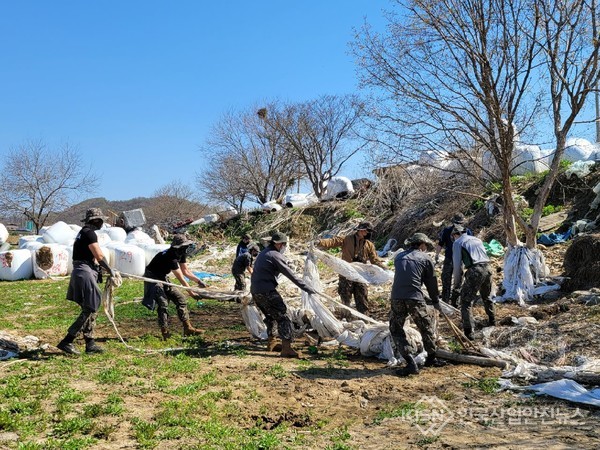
x: 66, y: 345
x: 411, y: 368
x: 92, y: 347
x: 492, y: 320
x: 432, y: 361
x: 189, y: 330
x: 286, y: 349
x: 273, y: 344
x: 166, y: 334
x: 469, y: 334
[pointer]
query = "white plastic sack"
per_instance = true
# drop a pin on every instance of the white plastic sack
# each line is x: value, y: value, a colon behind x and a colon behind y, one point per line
x: 59, y: 233
x: 15, y: 265
x: 300, y: 200
x: 523, y: 268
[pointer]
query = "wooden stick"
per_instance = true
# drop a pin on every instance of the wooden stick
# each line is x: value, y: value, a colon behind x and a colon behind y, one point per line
x: 470, y: 359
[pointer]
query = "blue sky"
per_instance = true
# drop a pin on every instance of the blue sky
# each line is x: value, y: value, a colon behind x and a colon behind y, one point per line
x: 136, y: 85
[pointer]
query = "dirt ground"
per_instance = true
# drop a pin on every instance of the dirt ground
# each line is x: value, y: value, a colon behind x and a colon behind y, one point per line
x: 448, y: 407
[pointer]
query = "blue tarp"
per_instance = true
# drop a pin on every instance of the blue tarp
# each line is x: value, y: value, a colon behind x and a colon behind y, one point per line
x: 554, y: 238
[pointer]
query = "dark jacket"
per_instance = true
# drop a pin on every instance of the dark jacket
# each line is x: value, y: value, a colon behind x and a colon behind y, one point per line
x: 414, y: 269
x: 268, y: 265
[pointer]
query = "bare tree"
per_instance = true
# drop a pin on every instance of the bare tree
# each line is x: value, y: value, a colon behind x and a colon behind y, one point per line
x: 220, y: 183
x: 323, y: 134
x: 173, y: 203
x: 254, y: 152
x: 38, y: 180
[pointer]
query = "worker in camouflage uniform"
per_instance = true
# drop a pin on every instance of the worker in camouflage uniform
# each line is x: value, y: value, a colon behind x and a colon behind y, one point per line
x: 450, y: 293
x: 469, y: 250
x: 242, y: 264
x: 263, y: 286
x: 413, y: 269
x: 356, y: 247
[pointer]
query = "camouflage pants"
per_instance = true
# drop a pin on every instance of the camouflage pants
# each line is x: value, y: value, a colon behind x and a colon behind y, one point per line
x: 422, y: 315
x: 240, y: 282
x: 85, y: 323
x: 478, y: 278
x: 347, y: 289
x: 446, y: 277
x: 162, y: 295
x: 272, y: 306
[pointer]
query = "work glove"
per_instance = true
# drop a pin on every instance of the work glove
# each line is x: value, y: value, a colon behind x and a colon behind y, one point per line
x: 201, y: 284
x: 106, y: 267
x: 195, y: 295
x: 437, y: 306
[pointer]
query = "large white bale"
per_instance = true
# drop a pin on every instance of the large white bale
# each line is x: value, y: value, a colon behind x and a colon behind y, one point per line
x: 271, y: 206
x: 75, y: 228
x: 30, y: 238
x: 300, y: 200
x: 153, y: 249
x: 338, y: 186
x: 32, y: 246
x: 129, y: 259
x: 138, y: 236
x: 3, y: 234
x: 50, y: 260
x: 15, y: 265
x: 578, y: 149
x: 528, y: 159
x: 103, y: 237
x: 59, y: 233
x: 117, y: 234
x: 210, y: 218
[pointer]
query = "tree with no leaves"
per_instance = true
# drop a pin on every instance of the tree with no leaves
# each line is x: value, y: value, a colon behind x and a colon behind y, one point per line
x: 38, y: 181
x: 245, y: 147
x: 172, y: 203
x: 220, y: 183
x: 322, y: 134
x: 473, y: 77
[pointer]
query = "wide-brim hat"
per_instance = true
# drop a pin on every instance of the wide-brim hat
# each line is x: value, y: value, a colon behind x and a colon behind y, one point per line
x: 420, y: 238
x: 92, y: 214
x: 279, y: 238
x: 364, y: 226
x: 458, y: 219
x: 180, y: 240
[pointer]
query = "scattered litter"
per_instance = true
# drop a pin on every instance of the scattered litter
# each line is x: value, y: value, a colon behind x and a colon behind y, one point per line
x: 554, y: 238
x: 564, y: 389
x: 494, y: 248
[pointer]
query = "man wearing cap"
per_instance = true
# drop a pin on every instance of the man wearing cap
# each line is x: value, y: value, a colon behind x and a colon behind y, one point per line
x: 356, y: 247
x: 263, y: 287
x: 413, y: 269
x: 449, y: 293
x: 242, y: 246
x: 469, y: 250
x: 158, y: 295
x: 83, y: 285
x: 242, y: 264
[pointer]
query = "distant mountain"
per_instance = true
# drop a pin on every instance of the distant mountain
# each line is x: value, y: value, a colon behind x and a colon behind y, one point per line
x: 77, y: 212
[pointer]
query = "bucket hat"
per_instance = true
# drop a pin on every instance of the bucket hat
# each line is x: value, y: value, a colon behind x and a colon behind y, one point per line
x: 93, y: 213
x: 278, y: 238
x: 180, y: 240
x: 364, y: 226
x: 420, y: 238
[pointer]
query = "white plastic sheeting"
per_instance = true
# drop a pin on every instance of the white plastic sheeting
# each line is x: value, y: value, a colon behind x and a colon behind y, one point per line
x: 523, y: 268
x: 358, y: 272
x: 300, y: 200
x: 564, y: 389
x: 580, y: 169
x: 60, y: 261
x: 271, y: 206
x: 527, y: 159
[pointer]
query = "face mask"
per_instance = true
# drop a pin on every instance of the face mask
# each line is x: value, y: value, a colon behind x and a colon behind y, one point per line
x: 95, y: 224
x: 283, y: 249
